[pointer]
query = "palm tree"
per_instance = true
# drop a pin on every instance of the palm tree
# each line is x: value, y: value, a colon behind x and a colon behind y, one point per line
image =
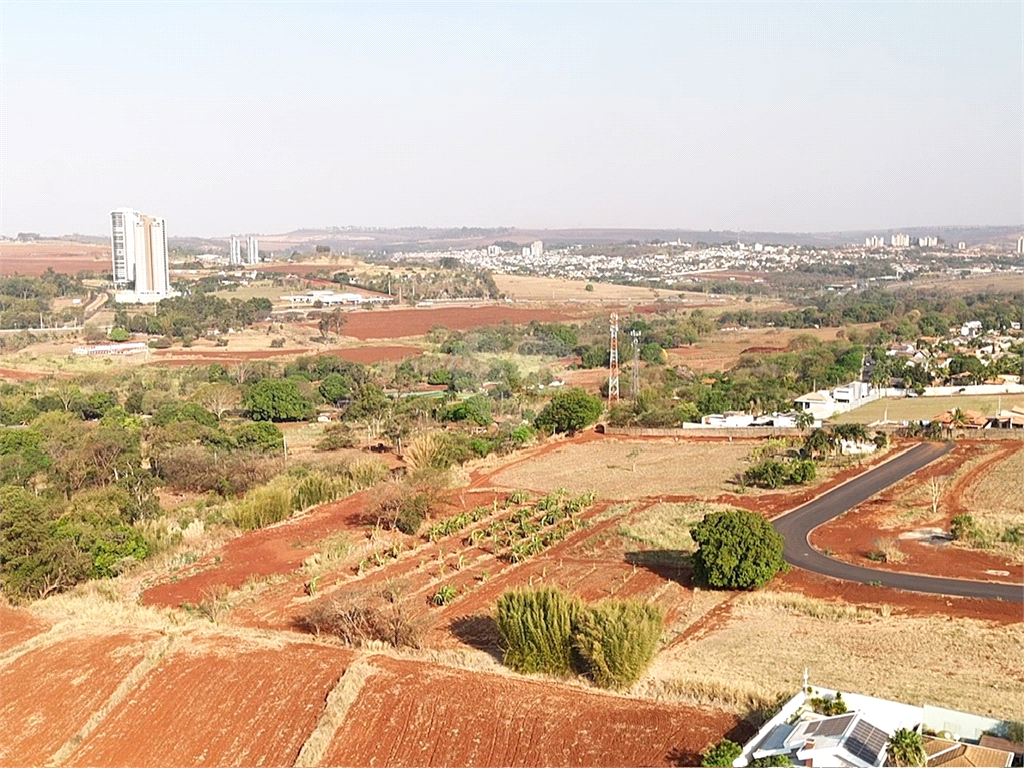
x: 819, y: 442
x: 804, y: 420
x: 957, y: 418
x: 904, y: 748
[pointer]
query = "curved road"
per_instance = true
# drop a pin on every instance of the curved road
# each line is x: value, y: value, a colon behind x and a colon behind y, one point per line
x: 797, y: 525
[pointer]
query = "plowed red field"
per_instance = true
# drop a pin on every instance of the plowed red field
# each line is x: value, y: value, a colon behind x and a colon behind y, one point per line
x: 410, y: 713
x: 218, y: 702
x: 18, y: 626
x: 399, y: 323
x: 50, y: 693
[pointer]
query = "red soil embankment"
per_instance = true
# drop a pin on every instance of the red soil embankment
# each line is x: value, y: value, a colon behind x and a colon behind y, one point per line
x: 410, y: 713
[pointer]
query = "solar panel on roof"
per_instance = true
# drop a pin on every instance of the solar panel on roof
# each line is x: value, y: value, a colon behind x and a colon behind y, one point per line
x: 866, y: 742
x: 812, y: 727
x: 834, y: 726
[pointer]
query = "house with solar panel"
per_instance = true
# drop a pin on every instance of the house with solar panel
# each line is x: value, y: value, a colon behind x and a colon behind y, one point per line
x: 822, y: 727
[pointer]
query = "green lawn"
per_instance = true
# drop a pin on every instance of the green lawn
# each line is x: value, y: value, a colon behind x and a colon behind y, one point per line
x: 924, y: 408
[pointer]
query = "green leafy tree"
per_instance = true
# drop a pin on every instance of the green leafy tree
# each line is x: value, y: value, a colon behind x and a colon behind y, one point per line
x: 722, y: 754
x: 905, y: 748
x: 259, y: 435
x: 476, y: 409
x: 569, y: 411
x: 277, y: 400
x: 737, y: 549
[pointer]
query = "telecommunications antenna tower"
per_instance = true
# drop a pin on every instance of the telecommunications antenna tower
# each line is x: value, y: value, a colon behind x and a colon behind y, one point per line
x: 634, y: 384
x: 613, y: 361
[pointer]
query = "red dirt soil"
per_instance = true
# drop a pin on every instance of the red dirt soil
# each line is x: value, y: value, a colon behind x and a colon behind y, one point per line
x: 906, y: 603
x: 367, y: 355
x: 276, y: 549
x: 49, y: 693
x: 36, y: 257
x: 17, y: 626
x: 218, y: 702
x: 400, y: 323
x: 410, y: 713
x: 851, y: 537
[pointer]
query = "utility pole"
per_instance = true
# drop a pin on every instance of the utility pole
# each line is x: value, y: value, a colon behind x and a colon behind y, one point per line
x: 613, y: 360
x: 634, y: 388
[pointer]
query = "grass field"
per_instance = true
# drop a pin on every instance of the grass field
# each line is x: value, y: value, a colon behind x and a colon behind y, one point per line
x: 925, y: 408
x: 667, y: 526
x: 532, y: 288
x: 630, y: 469
x: 763, y: 648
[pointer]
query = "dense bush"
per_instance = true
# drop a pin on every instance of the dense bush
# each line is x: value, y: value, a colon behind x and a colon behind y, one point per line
x: 722, y: 754
x: 569, y: 411
x: 737, y: 549
x: 549, y: 631
x: 616, y: 641
x: 259, y: 436
x: 277, y: 400
x: 536, y: 627
x: 772, y: 473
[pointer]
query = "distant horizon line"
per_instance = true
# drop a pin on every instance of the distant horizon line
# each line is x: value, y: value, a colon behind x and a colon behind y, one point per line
x: 529, y: 230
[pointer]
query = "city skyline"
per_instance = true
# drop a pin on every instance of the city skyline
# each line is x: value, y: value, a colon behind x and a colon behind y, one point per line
x: 754, y: 117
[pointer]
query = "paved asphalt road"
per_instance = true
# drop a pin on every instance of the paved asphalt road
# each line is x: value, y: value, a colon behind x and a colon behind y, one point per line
x: 797, y: 525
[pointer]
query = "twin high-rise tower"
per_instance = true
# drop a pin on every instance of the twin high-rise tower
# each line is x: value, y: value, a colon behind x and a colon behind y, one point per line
x: 138, y: 245
x: 252, y: 254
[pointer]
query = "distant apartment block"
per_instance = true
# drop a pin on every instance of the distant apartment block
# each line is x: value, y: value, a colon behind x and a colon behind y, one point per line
x: 1020, y: 245
x: 253, y: 251
x: 235, y: 254
x: 494, y: 250
x: 927, y: 242
x: 874, y: 241
x: 900, y: 241
x: 537, y: 248
x: 139, y: 255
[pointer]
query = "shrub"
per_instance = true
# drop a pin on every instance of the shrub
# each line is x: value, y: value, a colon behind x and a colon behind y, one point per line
x: 616, y: 640
x: 722, y: 754
x: 963, y: 528
x: 536, y: 629
x: 336, y: 436
x: 767, y: 474
x: 277, y: 343
x: 444, y: 595
x: 356, y: 620
x: 829, y: 706
x: 118, y: 335
x: 569, y: 411
x: 315, y: 489
x: 259, y: 435
x: 261, y: 507
x: 737, y: 549
x: 772, y: 761
x: 1014, y: 535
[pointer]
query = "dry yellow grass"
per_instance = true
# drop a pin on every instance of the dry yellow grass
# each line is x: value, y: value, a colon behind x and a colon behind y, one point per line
x: 995, y: 498
x: 532, y: 288
x: 926, y: 408
x: 963, y: 664
x: 666, y: 526
x: 630, y: 469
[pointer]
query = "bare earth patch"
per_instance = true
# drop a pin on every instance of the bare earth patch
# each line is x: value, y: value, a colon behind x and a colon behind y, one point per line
x: 630, y: 469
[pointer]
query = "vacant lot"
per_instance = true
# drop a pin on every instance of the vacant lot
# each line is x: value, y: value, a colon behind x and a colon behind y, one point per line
x: 36, y: 257
x: 50, y: 692
x: 763, y: 648
x: 994, y: 498
x: 409, y: 713
x: 927, y: 408
x: 631, y: 469
x: 532, y: 288
x: 721, y: 350
x: 219, y: 701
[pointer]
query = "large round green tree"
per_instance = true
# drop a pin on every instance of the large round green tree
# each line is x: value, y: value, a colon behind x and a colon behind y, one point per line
x: 736, y: 550
x: 277, y: 400
x: 569, y: 411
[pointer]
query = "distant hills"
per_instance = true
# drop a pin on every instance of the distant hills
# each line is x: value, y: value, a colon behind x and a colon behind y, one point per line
x: 362, y: 240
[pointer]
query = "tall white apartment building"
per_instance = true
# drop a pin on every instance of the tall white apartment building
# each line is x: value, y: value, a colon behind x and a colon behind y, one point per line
x: 235, y: 258
x: 122, y: 244
x: 253, y: 252
x: 1020, y: 245
x: 138, y: 245
x: 152, y: 271
x: 537, y: 248
x: 900, y: 241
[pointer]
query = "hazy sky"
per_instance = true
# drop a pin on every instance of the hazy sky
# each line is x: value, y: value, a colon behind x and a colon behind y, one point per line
x: 266, y: 117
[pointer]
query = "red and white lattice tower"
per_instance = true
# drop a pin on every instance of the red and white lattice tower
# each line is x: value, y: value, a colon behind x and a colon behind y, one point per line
x: 613, y: 361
